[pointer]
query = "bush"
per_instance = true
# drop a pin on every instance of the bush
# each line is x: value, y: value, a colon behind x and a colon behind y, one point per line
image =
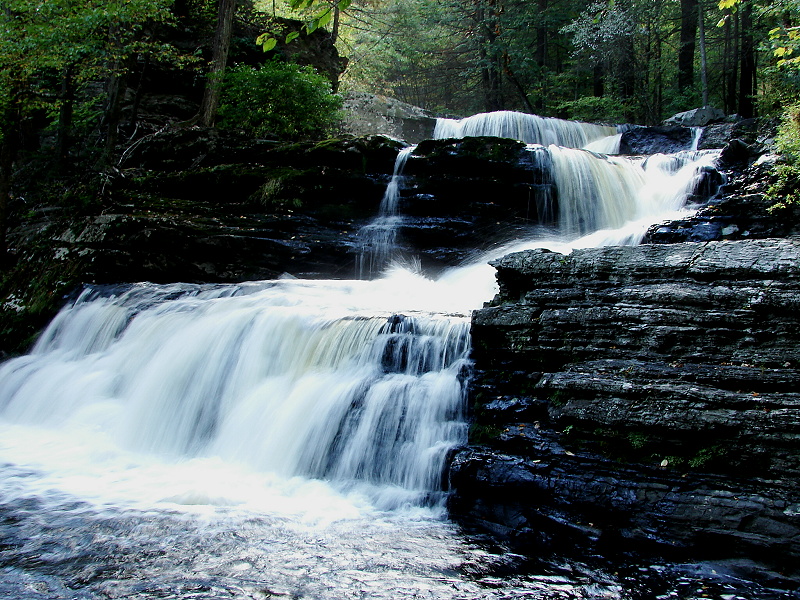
x: 786, y: 189
x: 278, y: 99
x: 788, y: 138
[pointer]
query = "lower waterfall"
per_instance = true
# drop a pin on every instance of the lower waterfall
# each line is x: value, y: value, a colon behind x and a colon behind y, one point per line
x: 281, y: 438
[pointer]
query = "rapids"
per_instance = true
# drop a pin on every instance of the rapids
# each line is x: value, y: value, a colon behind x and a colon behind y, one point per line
x: 281, y: 438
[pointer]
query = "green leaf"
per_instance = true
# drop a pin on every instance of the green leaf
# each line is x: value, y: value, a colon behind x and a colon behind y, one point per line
x: 344, y: 4
x: 269, y: 43
x: 324, y: 18
x: 292, y: 36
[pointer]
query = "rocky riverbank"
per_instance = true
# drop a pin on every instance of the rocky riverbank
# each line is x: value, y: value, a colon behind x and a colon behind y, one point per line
x: 640, y: 399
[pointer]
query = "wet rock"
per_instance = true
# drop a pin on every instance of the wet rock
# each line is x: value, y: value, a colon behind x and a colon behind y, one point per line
x: 750, y: 131
x: 741, y: 211
x: 737, y: 153
x: 639, y: 398
x: 651, y: 140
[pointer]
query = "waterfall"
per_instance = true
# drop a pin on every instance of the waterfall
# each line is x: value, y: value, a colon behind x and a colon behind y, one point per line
x: 291, y: 378
x: 582, y: 190
x: 377, y: 241
x: 530, y: 129
x: 279, y: 438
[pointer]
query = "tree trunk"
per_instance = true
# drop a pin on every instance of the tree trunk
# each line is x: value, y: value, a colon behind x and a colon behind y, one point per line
x: 335, y: 27
x: 733, y: 73
x: 597, y: 81
x: 703, y: 60
x: 137, y: 97
x: 65, y: 113
x: 541, y: 36
x: 219, y: 60
x: 487, y: 29
x: 689, y: 12
x: 747, y: 63
x: 8, y: 154
x: 516, y: 83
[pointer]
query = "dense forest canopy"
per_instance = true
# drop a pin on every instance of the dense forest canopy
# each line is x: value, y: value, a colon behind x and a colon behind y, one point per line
x: 76, y: 77
x: 617, y: 60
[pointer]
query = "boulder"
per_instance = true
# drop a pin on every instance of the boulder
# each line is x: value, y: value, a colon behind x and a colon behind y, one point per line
x: 368, y: 114
x: 697, y: 117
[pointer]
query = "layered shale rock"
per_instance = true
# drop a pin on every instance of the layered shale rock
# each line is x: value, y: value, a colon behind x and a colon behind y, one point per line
x: 641, y: 398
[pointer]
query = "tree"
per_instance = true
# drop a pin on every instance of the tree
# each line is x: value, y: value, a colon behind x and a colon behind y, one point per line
x: 50, y: 51
x: 219, y: 60
x: 277, y: 99
x: 603, y: 36
x: 688, y: 37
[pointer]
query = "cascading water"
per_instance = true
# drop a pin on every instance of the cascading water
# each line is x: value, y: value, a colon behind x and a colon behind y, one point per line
x: 378, y: 239
x: 282, y: 438
x: 531, y: 129
x: 581, y: 191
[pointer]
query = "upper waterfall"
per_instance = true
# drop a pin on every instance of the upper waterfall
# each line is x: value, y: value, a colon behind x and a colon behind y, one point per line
x: 527, y: 128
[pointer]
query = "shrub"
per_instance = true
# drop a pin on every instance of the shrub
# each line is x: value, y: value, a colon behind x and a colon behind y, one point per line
x: 786, y: 190
x: 278, y: 99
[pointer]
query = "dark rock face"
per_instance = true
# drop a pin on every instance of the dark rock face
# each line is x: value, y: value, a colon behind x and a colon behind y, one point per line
x: 641, y: 398
x: 454, y: 188
x: 650, y: 140
x: 200, y: 205
x: 749, y: 131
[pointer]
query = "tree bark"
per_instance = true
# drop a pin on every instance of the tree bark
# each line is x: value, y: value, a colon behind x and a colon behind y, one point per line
x: 9, y: 147
x: 491, y: 71
x: 541, y: 36
x: 65, y: 113
x: 115, y: 89
x: 689, y: 10
x: 733, y: 72
x: 747, y: 65
x: 703, y: 60
x: 219, y: 60
x: 516, y: 83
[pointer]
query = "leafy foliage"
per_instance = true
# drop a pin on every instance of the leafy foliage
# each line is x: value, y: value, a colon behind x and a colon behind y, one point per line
x: 44, y: 42
x: 785, y: 191
x: 323, y: 13
x: 594, y: 109
x: 278, y: 99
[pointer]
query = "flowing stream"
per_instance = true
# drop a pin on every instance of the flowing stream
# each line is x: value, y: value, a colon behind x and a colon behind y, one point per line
x: 281, y: 438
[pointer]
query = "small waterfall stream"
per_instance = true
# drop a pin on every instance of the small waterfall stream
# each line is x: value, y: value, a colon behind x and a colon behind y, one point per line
x: 378, y: 239
x: 277, y: 438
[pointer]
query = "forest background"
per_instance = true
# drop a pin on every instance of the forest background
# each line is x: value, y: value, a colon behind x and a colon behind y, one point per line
x: 72, y: 73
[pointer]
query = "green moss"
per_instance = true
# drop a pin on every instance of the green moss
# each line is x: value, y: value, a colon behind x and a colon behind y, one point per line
x: 559, y: 398
x: 705, y: 457
x: 31, y: 293
x: 483, y: 434
x: 638, y: 440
